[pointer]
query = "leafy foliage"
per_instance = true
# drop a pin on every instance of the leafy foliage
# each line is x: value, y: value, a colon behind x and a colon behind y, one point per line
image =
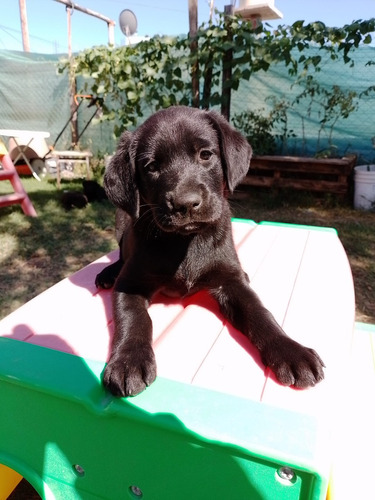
x: 269, y: 133
x: 257, y: 127
x: 156, y: 73
x: 332, y: 105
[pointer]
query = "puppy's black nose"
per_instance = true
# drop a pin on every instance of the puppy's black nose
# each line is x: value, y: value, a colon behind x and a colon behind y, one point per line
x: 187, y: 202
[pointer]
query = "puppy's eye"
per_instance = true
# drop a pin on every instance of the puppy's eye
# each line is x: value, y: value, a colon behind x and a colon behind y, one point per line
x: 205, y: 154
x: 152, y: 167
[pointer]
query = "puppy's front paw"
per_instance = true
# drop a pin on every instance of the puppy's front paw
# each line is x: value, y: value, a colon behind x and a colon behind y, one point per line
x: 130, y: 373
x: 105, y: 279
x: 294, y: 364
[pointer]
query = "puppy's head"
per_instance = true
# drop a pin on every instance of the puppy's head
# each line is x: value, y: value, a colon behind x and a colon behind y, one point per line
x: 177, y: 164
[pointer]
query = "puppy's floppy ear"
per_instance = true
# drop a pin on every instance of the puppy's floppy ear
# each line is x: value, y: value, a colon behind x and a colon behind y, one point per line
x: 235, y: 150
x: 119, y: 178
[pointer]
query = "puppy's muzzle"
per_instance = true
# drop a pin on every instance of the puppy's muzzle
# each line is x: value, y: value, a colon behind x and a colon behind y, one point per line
x: 184, y: 209
x: 185, y: 204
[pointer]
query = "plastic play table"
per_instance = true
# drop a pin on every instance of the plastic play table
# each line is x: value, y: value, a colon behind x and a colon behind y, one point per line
x: 215, y: 424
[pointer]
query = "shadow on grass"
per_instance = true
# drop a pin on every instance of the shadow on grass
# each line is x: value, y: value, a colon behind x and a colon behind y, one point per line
x: 37, y: 252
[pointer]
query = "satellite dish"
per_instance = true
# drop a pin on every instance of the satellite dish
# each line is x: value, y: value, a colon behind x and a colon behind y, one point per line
x: 128, y: 22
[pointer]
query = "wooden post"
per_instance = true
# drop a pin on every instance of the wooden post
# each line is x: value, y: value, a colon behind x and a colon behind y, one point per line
x: 24, y: 26
x: 227, y: 68
x: 193, y: 28
x: 74, y: 122
x: 72, y: 83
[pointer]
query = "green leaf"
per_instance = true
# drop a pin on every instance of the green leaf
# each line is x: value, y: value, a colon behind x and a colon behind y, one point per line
x: 101, y: 89
x: 132, y: 96
x: 367, y: 39
x: 246, y: 74
x: 177, y: 72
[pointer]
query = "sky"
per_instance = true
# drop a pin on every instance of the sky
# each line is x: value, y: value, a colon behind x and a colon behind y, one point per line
x: 47, y: 19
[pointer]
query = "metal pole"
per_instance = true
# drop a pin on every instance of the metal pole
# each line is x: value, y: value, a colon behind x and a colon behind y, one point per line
x: 69, y: 26
x: 111, y: 32
x: 24, y: 26
x: 72, y: 5
x: 211, y: 10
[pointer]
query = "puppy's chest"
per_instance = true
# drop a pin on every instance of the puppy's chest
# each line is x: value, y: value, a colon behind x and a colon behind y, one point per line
x: 188, y: 277
x: 185, y: 281
x: 176, y: 265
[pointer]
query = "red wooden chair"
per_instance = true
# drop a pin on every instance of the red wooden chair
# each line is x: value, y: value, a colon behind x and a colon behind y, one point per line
x: 9, y: 173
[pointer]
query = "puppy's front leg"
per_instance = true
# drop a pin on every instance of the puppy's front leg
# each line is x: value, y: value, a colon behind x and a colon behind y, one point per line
x: 292, y: 363
x: 132, y: 364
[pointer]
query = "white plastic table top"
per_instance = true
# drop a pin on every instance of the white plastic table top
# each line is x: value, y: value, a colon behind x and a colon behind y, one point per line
x: 30, y: 134
x: 302, y: 276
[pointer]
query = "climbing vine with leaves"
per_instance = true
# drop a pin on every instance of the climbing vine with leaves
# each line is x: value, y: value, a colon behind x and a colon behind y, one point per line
x: 155, y: 73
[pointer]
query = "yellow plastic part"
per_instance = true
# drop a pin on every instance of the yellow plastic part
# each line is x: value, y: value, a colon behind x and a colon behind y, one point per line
x: 3, y: 149
x: 9, y: 479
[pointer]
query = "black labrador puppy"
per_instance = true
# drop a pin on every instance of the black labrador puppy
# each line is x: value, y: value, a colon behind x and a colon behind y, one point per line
x: 168, y: 180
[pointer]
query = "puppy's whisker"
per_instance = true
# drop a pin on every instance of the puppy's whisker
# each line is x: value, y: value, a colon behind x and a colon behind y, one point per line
x: 147, y: 218
x: 145, y: 214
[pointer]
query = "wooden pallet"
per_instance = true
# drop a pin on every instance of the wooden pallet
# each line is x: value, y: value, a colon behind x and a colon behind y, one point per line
x: 297, y: 172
